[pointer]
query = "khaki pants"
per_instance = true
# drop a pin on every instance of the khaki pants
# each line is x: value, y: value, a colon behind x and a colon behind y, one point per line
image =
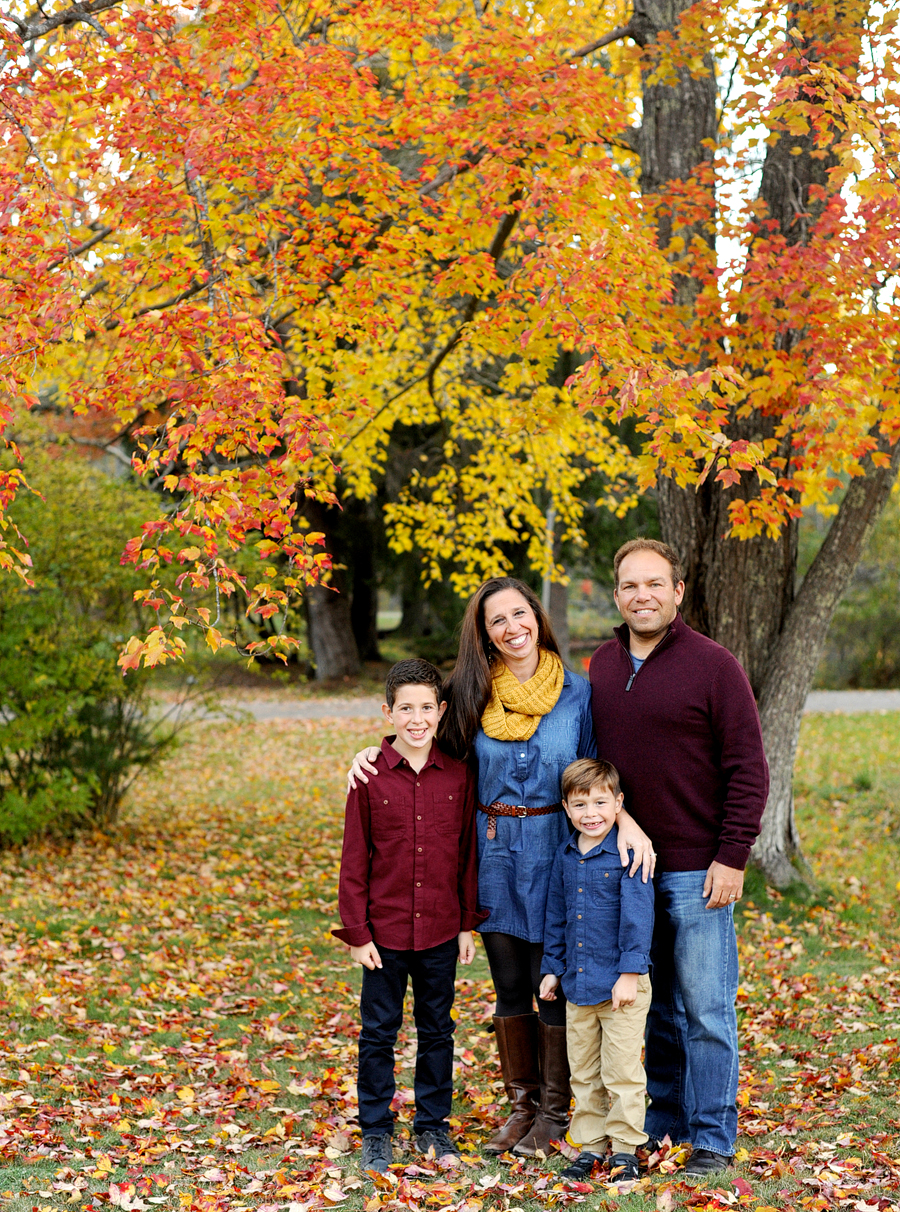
x: 608, y: 1078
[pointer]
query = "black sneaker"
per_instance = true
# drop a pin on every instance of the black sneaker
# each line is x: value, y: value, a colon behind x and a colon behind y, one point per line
x: 581, y: 1168
x: 377, y: 1153
x: 438, y: 1145
x: 705, y: 1161
x: 623, y: 1168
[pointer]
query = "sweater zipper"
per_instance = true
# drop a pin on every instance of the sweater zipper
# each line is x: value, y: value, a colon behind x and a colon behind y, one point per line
x: 635, y: 672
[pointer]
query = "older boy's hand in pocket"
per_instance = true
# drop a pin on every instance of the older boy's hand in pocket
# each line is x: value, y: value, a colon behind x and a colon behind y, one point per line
x: 466, y: 947
x: 367, y: 956
x: 547, y: 991
x: 624, y: 991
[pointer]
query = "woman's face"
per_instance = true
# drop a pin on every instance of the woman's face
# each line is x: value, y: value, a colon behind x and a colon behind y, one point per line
x: 511, y: 626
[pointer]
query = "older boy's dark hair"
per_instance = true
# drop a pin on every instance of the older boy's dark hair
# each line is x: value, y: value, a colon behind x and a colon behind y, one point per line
x: 412, y: 672
x: 586, y: 773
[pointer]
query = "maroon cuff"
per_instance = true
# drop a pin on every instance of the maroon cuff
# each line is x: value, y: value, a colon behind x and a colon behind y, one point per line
x: 733, y: 856
x: 471, y: 919
x: 354, y: 936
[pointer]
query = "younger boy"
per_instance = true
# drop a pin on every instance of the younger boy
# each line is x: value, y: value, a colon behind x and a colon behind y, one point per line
x: 597, y: 945
x: 407, y: 899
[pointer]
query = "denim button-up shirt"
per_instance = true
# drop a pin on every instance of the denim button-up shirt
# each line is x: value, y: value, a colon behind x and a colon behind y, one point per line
x: 514, y: 867
x: 599, y: 921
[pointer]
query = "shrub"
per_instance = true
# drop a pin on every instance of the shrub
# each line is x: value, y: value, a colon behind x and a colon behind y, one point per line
x: 73, y: 731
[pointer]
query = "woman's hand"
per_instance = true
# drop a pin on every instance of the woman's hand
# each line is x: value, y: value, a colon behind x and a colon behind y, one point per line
x: 632, y: 837
x: 361, y: 763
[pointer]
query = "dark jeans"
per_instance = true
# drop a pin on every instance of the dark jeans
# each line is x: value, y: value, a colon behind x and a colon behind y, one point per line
x: 692, y: 1041
x: 433, y: 974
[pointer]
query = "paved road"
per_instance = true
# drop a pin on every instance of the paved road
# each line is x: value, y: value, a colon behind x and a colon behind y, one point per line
x: 848, y: 701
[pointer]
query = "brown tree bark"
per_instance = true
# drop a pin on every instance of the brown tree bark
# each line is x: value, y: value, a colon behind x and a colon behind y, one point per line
x: 743, y: 593
x: 330, y: 627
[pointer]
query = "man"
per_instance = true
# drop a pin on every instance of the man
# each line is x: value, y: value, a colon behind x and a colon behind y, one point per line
x: 674, y: 713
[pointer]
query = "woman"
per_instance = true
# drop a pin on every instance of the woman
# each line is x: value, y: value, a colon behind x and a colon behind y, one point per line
x: 522, y: 716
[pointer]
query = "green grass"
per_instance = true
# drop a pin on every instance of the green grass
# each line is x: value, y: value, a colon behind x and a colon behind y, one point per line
x: 179, y: 1024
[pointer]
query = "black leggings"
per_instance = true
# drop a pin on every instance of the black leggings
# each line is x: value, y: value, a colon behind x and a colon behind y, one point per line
x: 516, y: 972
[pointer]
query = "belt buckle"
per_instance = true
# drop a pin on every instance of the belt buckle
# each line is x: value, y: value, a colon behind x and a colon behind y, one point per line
x: 523, y: 811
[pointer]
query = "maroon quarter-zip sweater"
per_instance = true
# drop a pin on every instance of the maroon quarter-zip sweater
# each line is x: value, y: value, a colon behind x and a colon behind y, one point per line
x: 684, y: 734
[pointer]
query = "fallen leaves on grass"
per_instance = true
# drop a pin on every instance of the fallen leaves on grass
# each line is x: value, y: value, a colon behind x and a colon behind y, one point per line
x: 180, y: 1028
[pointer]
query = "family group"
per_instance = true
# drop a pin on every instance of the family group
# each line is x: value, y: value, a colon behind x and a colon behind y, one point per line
x: 595, y: 834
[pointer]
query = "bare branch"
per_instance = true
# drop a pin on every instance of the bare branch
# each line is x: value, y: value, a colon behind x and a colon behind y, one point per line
x: 39, y: 24
x: 616, y: 35
x: 82, y: 248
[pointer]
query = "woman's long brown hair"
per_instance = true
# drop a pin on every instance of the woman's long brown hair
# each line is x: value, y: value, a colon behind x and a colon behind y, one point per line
x: 468, y: 688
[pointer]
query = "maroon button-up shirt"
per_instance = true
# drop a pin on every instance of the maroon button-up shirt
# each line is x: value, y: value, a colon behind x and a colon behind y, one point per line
x: 409, y: 875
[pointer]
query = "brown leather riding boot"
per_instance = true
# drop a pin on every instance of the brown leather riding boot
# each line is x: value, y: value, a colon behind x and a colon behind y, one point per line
x: 517, y: 1043
x: 552, y: 1120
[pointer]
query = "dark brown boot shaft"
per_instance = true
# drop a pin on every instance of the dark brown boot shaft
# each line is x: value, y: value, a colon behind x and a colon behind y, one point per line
x: 552, y: 1120
x: 517, y: 1044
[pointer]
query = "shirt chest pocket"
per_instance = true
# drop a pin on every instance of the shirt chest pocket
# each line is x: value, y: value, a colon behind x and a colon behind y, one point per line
x: 445, y: 811
x: 605, y: 885
x: 389, y: 819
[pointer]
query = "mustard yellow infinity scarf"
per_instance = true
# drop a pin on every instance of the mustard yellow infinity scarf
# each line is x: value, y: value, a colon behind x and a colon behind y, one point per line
x: 515, y: 708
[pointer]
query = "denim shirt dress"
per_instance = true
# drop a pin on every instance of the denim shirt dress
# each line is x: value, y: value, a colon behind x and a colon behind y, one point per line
x: 514, y: 867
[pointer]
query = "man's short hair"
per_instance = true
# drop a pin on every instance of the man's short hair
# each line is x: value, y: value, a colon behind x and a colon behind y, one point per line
x: 662, y: 549
x: 587, y: 773
x: 412, y: 672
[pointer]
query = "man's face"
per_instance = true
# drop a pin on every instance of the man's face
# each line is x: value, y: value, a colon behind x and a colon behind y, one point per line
x: 646, y: 597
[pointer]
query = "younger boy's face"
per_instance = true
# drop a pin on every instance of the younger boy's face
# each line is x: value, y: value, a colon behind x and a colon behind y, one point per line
x: 594, y: 812
x: 414, y: 715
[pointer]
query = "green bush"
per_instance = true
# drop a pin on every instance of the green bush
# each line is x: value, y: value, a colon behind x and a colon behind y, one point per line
x: 73, y: 731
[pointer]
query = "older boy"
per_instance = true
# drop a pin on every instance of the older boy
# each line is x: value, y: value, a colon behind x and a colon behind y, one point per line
x: 407, y: 900
x: 597, y: 935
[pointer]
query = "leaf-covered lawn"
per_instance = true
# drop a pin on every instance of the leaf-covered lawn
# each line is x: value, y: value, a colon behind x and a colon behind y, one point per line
x: 179, y: 1026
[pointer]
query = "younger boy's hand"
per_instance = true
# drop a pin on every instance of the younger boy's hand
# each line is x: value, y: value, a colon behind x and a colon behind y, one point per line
x: 547, y: 991
x: 466, y: 947
x: 367, y: 956
x: 624, y: 991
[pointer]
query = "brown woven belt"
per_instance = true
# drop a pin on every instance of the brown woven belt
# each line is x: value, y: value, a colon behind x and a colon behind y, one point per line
x: 498, y: 809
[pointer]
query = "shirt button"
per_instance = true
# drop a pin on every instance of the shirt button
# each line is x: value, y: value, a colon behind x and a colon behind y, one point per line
x: 581, y: 970
x: 385, y: 801
x: 606, y: 875
x: 581, y: 890
x: 418, y: 883
x: 418, y: 784
x: 418, y: 818
x: 418, y: 915
x: 449, y: 797
x: 420, y: 850
x: 581, y: 944
x: 580, y: 860
x: 521, y: 755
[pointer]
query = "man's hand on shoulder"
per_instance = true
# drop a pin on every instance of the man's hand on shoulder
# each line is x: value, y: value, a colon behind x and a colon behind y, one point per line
x: 723, y: 885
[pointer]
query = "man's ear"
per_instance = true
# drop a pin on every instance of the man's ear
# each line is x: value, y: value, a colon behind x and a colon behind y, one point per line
x: 386, y: 712
x: 442, y: 707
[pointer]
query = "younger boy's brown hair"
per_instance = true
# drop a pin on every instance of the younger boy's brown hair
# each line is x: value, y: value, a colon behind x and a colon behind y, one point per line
x: 587, y: 773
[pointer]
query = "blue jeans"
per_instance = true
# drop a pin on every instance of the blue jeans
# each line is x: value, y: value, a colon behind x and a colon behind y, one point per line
x: 433, y: 975
x: 692, y: 1044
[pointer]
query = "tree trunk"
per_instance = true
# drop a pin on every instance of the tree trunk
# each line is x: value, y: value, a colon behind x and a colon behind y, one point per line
x: 559, y: 617
x: 743, y: 593
x: 358, y: 524
x: 331, y: 639
x: 793, y: 661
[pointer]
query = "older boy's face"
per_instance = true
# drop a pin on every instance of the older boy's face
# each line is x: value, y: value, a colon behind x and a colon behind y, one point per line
x: 415, y: 715
x: 594, y: 812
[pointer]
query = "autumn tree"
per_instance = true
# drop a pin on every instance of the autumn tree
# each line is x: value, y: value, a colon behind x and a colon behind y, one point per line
x: 297, y: 253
